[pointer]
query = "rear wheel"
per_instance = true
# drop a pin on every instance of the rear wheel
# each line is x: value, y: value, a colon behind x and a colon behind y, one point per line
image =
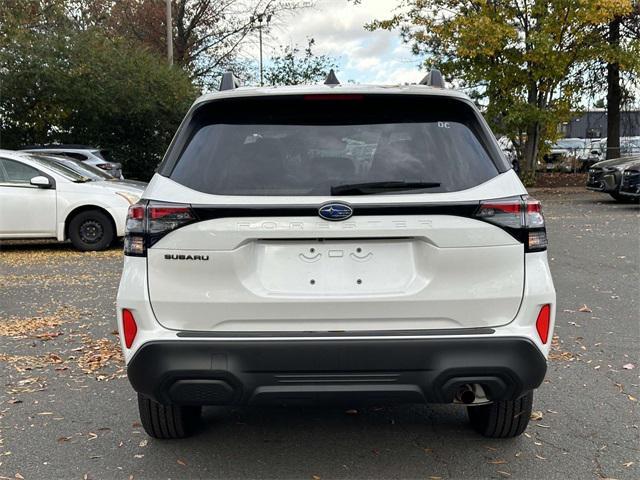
x: 502, y: 419
x: 622, y: 198
x: 167, y: 421
x: 91, y: 230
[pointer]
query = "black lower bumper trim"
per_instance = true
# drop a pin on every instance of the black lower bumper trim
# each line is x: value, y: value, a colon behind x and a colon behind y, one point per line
x: 351, y: 333
x: 240, y: 371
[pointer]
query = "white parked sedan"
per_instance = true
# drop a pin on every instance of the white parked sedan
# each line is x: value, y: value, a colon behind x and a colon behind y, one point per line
x: 43, y: 199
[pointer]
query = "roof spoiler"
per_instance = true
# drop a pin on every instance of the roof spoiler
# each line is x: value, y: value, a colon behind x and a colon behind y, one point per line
x: 433, y: 79
x: 229, y: 81
x: 73, y: 146
x: 331, y: 78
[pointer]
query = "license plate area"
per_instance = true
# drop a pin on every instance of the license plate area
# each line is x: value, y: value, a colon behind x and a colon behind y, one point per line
x: 336, y: 267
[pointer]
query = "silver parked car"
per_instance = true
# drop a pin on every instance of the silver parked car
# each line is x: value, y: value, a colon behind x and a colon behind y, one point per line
x: 89, y: 155
x: 88, y: 171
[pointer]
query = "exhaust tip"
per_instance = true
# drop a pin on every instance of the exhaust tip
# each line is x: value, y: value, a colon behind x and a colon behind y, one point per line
x: 466, y: 394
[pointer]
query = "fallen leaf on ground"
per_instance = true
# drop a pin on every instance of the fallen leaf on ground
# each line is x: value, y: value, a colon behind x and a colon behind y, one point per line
x: 98, y: 354
x: 21, y: 327
x: 628, y: 366
x: 48, y: 335
x: 497, y: 462
x: 55, y: 358
x: 585, y: 309
x: 536, y: 415
x: 181, y: 462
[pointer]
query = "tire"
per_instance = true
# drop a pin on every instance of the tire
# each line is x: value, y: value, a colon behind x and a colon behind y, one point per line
x: 91, y: 230
x: 622, y: 198
x: 167, y: 421
x: 502, y: 419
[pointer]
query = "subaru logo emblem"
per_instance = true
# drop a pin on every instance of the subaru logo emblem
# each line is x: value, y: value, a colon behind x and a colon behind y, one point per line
x: 335, y: 211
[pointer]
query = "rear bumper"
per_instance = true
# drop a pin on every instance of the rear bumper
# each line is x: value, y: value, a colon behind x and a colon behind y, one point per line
x: 296, y: 371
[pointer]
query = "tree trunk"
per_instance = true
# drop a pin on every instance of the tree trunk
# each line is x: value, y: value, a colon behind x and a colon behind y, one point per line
x: 614, y: 95
x: 531, y: 147
x: 533, y: 133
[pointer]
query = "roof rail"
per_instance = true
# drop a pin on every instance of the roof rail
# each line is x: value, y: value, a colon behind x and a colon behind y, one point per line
x: 229, y: 81
x: 72, y: 146
x: 331, y: 78
x: 433, y: 79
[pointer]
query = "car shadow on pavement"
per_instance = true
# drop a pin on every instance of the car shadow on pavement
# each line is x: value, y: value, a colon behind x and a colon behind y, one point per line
x: 309, y: 442
x: 404, y: 441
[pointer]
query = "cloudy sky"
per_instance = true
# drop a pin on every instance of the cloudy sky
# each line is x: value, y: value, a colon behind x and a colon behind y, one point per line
x: 338, y: 29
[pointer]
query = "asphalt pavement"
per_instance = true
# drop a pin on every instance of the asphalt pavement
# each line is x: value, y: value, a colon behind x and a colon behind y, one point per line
x: 67, y: 410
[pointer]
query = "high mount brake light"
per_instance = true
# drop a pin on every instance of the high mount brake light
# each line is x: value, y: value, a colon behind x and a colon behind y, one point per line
x: 520, y: 216
x: 334, y: 96
x: 149, y: 222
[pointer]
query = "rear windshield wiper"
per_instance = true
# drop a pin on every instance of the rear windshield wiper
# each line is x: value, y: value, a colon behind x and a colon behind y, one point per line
x: 379, y: 187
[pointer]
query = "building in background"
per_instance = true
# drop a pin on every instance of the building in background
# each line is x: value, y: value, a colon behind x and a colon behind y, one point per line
x: 593, y: 124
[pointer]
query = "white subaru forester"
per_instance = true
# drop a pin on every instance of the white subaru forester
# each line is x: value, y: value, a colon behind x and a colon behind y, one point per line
x: 335, y: 243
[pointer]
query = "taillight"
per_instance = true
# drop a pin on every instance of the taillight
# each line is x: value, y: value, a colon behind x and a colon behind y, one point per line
x: 148, y: 222
x: 520, y: 216
x: 129, y: 327
x: 164, y: 218
x: 543, y: 323
x: 135, y: 231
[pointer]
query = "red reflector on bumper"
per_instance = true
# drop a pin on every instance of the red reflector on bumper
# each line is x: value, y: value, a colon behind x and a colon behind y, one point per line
x: 129, y: 327
x: 543, y: 322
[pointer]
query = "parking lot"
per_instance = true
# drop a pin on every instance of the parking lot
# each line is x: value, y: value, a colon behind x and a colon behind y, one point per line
x: 67, y: 410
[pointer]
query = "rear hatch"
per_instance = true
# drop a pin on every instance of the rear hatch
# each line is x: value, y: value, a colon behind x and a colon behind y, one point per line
x: 329, y: 213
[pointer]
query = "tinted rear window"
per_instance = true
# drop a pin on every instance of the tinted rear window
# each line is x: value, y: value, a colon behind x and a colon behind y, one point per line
x: 304, y: 146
